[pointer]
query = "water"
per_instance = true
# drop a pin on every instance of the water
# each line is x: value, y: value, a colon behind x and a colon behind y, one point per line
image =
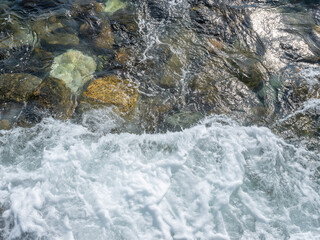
x: 248, y: 169
x: 217, y: 180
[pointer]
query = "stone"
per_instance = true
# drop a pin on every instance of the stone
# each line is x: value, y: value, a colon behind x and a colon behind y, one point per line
x: 158, y: 9
x: 5, y: 124
x: 112, y: 90
x: 47, y: 31
x: 61, y: 39
x: 42, y: 27
x: 114, y: 5
x: 183, y: 120
x: 55, y: 96
x: 13, y: 34
x: 152, y: 111
x: 91, y: 8
x: 122, y: 56
x: 17, y: 87
x: 105, y: 37
x: 215, y: 91
x: 74, y: 68
x: 173, y: 72
x: 126, y: 21
x: 36, y: 4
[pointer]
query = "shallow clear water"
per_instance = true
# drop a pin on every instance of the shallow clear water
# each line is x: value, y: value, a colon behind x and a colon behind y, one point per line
x: 217, y: 180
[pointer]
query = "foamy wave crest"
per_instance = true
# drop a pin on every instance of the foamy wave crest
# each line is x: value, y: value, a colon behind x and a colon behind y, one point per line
x: 217, y: 180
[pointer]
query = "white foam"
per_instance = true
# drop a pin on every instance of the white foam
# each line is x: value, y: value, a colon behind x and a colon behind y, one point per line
x: 216, y: 180
x: 311, y: 75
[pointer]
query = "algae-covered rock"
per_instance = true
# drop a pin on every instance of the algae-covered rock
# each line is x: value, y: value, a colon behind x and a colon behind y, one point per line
x: 17, y: 86
x: 112, y: 90
x: 54, y: 95
x: 114, y: 5
x: 74, y: 68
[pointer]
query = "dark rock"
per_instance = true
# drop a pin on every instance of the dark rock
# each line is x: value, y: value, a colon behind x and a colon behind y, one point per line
x: 55, y: 97
x: 17, y: 87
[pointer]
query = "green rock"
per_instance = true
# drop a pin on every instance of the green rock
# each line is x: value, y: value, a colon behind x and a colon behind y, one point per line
x: 17, y: 86
x: 74, y: 68
x: 114, y: 5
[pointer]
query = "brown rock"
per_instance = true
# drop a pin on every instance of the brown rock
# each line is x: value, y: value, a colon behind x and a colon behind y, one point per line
x: 112, y: 90
x: 5, y: 124
x: 122, y: 56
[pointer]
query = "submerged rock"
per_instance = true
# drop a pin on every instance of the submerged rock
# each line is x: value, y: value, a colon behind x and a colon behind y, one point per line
x: 122, y: 56
x: 17, y: 87
x: 61, y: 39
x: 52, y: 32
x: 114, y: 5
x: 183, y: 120
x: 85, y: 8
x: 105, y: 37
x: 74, y: 68
x: 54, y: 96
x: 173, y: 72
x: 112, y: 90
x: 14, y: 34
x: 215, y: 91
x: 5, y: 124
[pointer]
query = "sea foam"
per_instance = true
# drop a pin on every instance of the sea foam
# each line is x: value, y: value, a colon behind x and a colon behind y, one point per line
x: 217, y: 180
